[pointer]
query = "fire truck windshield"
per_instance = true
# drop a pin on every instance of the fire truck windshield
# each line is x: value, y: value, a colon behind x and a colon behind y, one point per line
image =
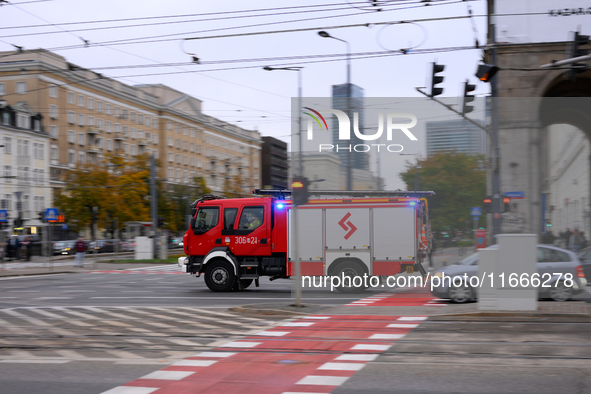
x: 207, y: 218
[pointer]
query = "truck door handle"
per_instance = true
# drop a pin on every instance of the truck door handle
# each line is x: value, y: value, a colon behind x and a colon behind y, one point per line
x: 218, y: 241
x: 264, y: 241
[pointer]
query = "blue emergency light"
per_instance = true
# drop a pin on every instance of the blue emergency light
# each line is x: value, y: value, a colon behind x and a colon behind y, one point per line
x: 279, y: 205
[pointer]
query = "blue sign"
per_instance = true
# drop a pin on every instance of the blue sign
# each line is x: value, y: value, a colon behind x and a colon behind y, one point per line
x: 476, y: 211
x: 515, y: 194
x: 51, y: 215
x: 65, y: 226
x: 3, y: 215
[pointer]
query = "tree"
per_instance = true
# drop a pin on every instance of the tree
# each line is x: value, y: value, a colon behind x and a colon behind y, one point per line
x: 459, y: 183
x: 233, y: 187
x: 118, y: 188
x: 174, y: 205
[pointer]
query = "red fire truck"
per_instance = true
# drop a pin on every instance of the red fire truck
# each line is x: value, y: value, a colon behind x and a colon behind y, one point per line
x: 234, y: 242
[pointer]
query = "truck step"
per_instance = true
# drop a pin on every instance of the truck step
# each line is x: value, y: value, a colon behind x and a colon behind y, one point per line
x: 248, y: 276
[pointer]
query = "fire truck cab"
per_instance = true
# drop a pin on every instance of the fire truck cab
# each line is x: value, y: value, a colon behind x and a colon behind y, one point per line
x: 234, y: 242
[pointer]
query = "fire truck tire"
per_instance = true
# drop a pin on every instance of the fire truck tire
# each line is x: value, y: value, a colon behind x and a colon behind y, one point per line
x: 219, y: 275
x: 244, y: 282
x: 349, y: 269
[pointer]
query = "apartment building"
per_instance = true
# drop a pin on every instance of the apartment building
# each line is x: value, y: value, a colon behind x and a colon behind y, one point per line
x: 88, y: 116
x: 24, y: 190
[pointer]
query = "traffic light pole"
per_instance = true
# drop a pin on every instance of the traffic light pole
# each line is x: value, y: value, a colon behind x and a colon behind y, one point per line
x: 496, y: 181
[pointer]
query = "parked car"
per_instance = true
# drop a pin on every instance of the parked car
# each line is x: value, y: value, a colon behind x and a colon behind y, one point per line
x: 585, y: 257
x: 64, y: 247
x: 103, y: 246
x: 561, y: 260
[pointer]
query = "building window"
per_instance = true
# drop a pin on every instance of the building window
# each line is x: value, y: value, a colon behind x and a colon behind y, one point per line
x: 54, y: 152
x: 53, y: 91
x: 21, y: 87
x: 155, y: 138
x: 38, y: 149
x: 117, y: 127
x: 148, y: 136
x: 109, y: 145
x: 6, y: 118
x: 169, y: 125
x: 81, y: 158
x: 140, y: 134
x: 53, y: 131
x: 91, y: 120
x: 155, y: 123
x: 7, y: 145
x: 185, y: 160
x: 170, y: 157
x: 8, y: 173
x: 99, y: 124
x: 132, y: 116
x: 108, y: 108
x: 99, y: 143
x: 155, y: 153
x: 23, y: 121
x: 71, y: 117
x: 170, y: 143
x: 199, y: 149
x: 192, y: 133
x: 124, y: 114
x: 81, y: 100
x: 185, y: 145
x: 178, y: 158
x: 99, y: 106
x: 53, y: 111
x: 178, y: 128
x: 140, y: 118
x: 71, y: 136
x: 125, y: 131
x: 81, y: 138
x: 132, y: 134
x: 178, y: 143
x: 170, y: 173
x: 2, y: 88
x: 71, y: 157
x: 133, y: 150
x: 147, y: 123
x: 192, y: 147
x: 185, y: 130
x: 71, y: 97
x: 125, y: 147
x: 109, y: 126
x: 22, y: 147
x: 80, y: 119
x: 90, y: 103
x: 192, y: 162
x: 7, y: 202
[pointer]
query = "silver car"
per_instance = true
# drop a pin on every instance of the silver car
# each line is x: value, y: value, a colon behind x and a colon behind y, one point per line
x: 549, y: 257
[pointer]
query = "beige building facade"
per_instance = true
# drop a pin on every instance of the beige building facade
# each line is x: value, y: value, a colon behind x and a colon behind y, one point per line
x: 89, y: 116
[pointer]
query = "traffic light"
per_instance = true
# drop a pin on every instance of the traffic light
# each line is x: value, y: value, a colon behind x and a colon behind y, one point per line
x: 94, y: 214
x: 486, y: 72
x: 468, y: 98
x: 506, y: 204
x: 160, y: 221
x: 573, y: 50
x: 299, y: 190
x: 487, y: 204
x: 41, y: 216
x: 436, y: 79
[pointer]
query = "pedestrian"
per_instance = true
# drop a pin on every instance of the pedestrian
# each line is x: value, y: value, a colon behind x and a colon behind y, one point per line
x: 14, y: 246
x: 80, y: 248
x: 583, y: 240
x: 28, y: 248
x: 574, y: 241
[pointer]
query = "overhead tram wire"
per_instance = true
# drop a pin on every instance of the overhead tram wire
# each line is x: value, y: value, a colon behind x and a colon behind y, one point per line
x: 304, y: 9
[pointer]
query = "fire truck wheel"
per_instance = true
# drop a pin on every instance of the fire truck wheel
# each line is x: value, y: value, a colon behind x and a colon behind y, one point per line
x: 244, y: 282
x: 219, y: 275
x: 351, y: 270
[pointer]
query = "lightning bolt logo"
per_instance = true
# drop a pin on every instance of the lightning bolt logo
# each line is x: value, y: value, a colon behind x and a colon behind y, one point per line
x: 348, y: 226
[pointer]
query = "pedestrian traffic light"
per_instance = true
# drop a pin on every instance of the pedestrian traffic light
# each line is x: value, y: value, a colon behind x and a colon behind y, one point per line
x: 506, y: 204
x: 468, y: 98
x: 486, y: 72
x: 436, y: 79
x: 41, y: 217
x: 574, y: 50
x: 299, y: 190
x: 487, y: 204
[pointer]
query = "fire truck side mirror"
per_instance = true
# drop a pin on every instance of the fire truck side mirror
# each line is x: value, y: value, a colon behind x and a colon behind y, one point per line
x: 193, y: 223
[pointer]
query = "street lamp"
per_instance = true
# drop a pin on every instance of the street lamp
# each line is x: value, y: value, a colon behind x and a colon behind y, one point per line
x: 299, y: 70
x: 325, y: 34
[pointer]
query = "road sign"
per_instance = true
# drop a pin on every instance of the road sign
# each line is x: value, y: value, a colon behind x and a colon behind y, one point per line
x: 3, y: 215
x: 476, y: 211
x: 515, y: 195
x: 480, y: 239
x: 51, y: 214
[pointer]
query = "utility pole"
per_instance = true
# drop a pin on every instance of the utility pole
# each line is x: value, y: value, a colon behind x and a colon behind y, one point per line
x: 153, y: 204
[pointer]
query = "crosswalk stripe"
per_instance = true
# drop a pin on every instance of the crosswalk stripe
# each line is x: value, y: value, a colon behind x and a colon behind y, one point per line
x: 104, y: 312
x: 59, y: 317
x: 13, y: 327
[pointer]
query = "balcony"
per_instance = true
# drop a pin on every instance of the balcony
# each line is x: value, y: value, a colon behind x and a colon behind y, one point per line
x: 143, y: 142
x: 119, y: 137
x: 93, y: 148
x: 92, y: 130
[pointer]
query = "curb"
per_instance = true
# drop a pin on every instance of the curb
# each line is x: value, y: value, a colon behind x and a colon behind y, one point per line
x: 274, y: 311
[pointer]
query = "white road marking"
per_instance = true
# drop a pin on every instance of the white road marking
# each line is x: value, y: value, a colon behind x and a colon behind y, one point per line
x: 214, y: 354
x: 297, y: 324
x: 342, y: 366
x: 412, y: 318
x: 272, y: 333
x: 368, y: 346
x: 37, y: 361
x: 386, y: 336
x: 241, y: 344
x: 168, y: 375
x: 323, y: 380
x: 194, y: 363
x: 356, y: 357
x: 130, y: 390
x: 402, y: 325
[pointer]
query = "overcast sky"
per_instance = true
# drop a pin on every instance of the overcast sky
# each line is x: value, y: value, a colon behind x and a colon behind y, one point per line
x: 230, y: 80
